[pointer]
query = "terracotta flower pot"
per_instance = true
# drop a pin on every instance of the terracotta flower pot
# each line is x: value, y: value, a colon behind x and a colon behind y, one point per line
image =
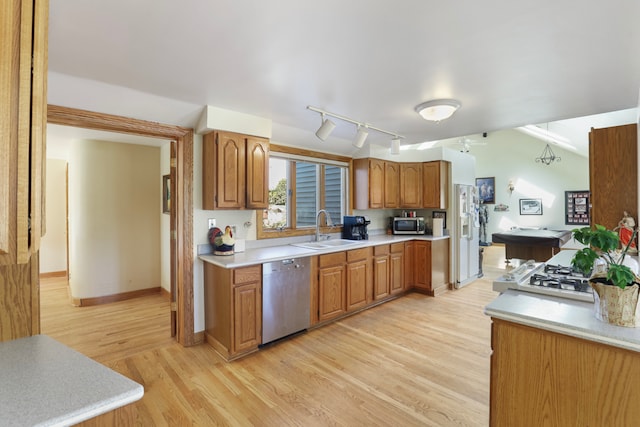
x: 616, y: 306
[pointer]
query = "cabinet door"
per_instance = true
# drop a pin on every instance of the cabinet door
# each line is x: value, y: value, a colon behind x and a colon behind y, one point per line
x: 331, y: 292
x: 614, y: 189
x: 391, y: 185
x: 423, y: 265
x: 396, y: 271
x: 257, y: 173
x: 439, y: 266
x: 376, y: 183
x: 410, y: 185
x: 380, y: 277
x: 434, y: 184
x: 409, y: 264
x: 357, y: 278
x: 230, y: 174
x: 247, y: 317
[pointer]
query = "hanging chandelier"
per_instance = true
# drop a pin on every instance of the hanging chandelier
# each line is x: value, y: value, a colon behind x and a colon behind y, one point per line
x: 548, y: 156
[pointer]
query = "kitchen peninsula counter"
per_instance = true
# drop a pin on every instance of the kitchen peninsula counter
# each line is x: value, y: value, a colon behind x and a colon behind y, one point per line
x: 45, y: 383
x: 561, y: 315
x: 553, y: 363
x: 280, y: 252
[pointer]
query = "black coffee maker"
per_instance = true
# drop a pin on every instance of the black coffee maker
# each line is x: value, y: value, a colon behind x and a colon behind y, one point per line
x: 355, y: 227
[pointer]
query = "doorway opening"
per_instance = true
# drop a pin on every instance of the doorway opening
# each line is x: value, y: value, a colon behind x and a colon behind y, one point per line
x: 181, y: 211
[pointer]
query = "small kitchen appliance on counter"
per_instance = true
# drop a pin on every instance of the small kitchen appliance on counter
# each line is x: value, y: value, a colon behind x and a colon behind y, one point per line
x: 355, y: 227
x: 408, y: 225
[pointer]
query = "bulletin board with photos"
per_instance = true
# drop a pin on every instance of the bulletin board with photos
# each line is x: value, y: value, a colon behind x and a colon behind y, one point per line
x: 577, y: 207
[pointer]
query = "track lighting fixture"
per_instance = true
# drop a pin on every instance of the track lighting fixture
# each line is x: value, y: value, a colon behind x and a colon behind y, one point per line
x: 438, y: 109
x: 362, y: 132
x: 325, y: 128
x: 361, y: 136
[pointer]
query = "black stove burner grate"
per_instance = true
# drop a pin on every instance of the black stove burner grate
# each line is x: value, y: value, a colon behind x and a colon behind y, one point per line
x: 560, y: 282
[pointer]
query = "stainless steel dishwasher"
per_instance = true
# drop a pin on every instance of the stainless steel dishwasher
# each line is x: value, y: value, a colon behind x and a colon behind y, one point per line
x: 286, y: 291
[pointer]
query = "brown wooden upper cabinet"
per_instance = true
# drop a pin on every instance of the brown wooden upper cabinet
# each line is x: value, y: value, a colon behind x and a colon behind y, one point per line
x: 381, y: 184
x: 435, y: 184
x: 411, y: 185
x: 391, y: 185
x: 235, y: 171
x: 368, y: 183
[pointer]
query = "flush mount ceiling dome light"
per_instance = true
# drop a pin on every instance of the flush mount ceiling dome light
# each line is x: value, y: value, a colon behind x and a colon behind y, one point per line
x: 438, y: 109
x: 362, y: 130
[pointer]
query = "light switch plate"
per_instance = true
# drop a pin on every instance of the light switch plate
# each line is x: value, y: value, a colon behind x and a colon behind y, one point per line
x: 212, y: 223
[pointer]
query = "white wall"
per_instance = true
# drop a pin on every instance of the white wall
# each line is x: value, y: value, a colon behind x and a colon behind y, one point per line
x: 114, y: 243
x: 165, y: 223
x: 53, y: 246
x: 506, y: 157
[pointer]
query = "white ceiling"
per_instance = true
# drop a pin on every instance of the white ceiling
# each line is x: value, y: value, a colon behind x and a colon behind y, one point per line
x: 509, y: 63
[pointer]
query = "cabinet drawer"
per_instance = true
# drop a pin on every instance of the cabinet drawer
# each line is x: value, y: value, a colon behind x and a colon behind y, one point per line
x: 381, y: 250
x: 336, y: 258
x: 247, y: 274
x: 358, y: 254
x: 397, y: 247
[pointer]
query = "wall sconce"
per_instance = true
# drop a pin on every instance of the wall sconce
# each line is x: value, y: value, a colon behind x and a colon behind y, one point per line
x: 511, y: 187
x: 327, y: 127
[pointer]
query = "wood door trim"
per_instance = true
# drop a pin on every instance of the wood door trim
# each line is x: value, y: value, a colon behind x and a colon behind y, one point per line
x: 183, y: 201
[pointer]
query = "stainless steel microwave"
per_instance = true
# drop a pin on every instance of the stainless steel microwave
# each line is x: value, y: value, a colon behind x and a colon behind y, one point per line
x: 403, y: 225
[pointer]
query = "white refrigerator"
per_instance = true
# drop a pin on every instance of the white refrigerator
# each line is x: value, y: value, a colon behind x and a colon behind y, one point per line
x: 466, y: 215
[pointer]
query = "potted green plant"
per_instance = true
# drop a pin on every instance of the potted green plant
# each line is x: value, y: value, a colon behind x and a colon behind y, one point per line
x: 615, y: 285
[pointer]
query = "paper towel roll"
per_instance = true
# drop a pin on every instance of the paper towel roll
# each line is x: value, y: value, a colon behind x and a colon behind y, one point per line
x: 437, y: 227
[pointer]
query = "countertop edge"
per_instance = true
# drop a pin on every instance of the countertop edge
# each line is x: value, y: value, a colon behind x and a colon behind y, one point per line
x: 279, y: 252
x: 87, y: 413
x: 585, y: 326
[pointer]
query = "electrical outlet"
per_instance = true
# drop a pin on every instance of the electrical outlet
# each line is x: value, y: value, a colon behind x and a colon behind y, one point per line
x: 212, y: 223
x: 233, y: 229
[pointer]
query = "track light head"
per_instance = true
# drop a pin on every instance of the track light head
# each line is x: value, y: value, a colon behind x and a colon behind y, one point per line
x: 361, y: 136
x: 325, y: 128
x: 395, y: 146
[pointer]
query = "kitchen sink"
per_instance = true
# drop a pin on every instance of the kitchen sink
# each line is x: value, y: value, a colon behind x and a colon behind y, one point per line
x: 326, y: 244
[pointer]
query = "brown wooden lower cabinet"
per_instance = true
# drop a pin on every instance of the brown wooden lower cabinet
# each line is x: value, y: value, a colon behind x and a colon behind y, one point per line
x: 542, y: 378
x: 359, y: 283
x: 396, y: 269
x: 233, y: 309
x: 380, y: 272
x: 345, y: 282
x: 431, y: 266
x: 332, y: 296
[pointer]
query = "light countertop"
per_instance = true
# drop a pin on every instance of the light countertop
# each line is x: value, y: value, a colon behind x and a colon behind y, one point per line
x: 45, y: 383
x: 277, y: 253
x: 564, y: 316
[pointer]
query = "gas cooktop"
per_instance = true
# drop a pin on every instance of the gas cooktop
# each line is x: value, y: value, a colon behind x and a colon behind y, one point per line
x: 547, y: 279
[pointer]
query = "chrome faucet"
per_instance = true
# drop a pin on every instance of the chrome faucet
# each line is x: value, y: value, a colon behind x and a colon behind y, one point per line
x: 329, y: 222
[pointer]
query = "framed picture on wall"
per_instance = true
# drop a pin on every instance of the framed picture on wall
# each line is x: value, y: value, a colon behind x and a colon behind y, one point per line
x: 576, y: 207
x: 166, y: 194
x: 530, y: 206
x: 487, y: 189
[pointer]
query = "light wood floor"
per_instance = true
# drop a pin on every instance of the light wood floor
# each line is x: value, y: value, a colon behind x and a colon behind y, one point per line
x: 415, y: 361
